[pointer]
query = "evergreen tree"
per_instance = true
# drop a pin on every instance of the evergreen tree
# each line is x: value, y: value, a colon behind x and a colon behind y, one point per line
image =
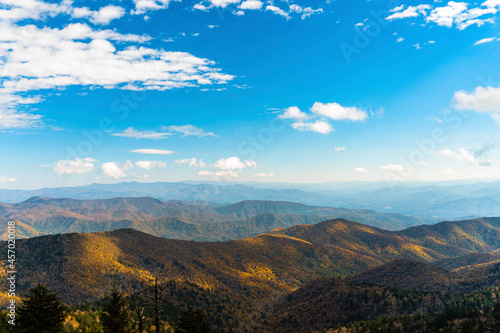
x: 41, y: 312
x: 114, y: 319
x: 192, y: 321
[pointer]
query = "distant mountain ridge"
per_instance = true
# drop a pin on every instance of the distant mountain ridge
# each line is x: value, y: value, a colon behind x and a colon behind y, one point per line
x: 432, y: 202
x: 179, y: 219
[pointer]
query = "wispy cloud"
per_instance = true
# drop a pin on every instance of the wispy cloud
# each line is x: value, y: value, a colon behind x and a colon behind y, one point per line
x: 132, y: 133
x: 187, y: 130
x: 153, y: 151
x: 192, y: 162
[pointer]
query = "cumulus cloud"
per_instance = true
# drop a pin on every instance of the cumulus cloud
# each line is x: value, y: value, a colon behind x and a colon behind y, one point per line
x: 318, y: 126
x: 192, y: 162
x: 148, y: 165
x: 294, y: 113
x: 361, y: 170
x: 325, y: 112
x: 132, y: 133
x: 336, y: 111
x: 394, y: 167
x: 251, y: 5
x: 78, y: 166
x: 187, y: 130
x: 153, y: 151
x: 102, y: 16
x: 462, y: 155
x: 234, y: 163
x: 480, y: 100
x: 111, y: 169
x: 4, y: 179
x: 143, y: 6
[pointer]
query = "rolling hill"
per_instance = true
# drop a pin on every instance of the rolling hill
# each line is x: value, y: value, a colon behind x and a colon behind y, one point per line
x: 245, y: 279
x: 180, y: 220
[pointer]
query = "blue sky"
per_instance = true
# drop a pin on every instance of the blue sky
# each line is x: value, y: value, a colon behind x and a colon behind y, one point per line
x: 291, y: 91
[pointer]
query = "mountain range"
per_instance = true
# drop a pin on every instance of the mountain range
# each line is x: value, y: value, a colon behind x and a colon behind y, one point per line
x: 263, y: 282
x: 433, y: 202
x: 179, y: 219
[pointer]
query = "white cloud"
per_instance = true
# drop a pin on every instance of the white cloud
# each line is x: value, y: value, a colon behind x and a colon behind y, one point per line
x: 143, y: 6
x: 306, y: 12
x: 148, y: 165
x: 4, y: 179
x: 132, y: 133
x: 192, y: 162
x: 33, y: 59
x: 481, y: 100
x: 453, y: 13
x: 294, y: 113
x: 463, y: 155
x: 485, y: 40
x: 223, y: 3
x: 411, y: 11
x: 361, y: 170
x: 400, y: 39
x: 78, y: 166
x: 31, y: 9
x: 264, y: 175
x: 234, y: 163
x: 201, y: 6
x: 448, y: 171
x: 188, y: 130
x: 337, y: 112
x: 153, y: 151
x: 251, y: 5
x: 319, y: 127
x: 111, y: 169
x: 445, y: 16
x: 102, y: 16
x: 394, y: 167
x: 339, y: 148
x: 10, y: 118
x: 278, y: 11
x: 218, y: 173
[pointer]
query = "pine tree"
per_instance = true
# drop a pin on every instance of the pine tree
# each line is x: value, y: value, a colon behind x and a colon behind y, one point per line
x: 114, y: 319
x: 192, y: 321
x: 41, y: 312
